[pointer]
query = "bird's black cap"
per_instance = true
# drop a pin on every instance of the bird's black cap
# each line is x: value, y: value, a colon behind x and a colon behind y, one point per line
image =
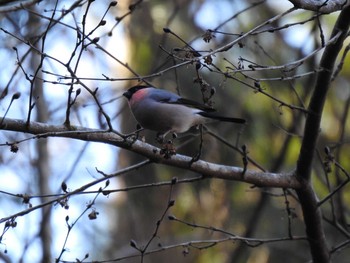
x: 128, y: 94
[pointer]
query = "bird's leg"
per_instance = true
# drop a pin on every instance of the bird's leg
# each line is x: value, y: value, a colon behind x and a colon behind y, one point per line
x: 160, y: 137
x: 196, y: 157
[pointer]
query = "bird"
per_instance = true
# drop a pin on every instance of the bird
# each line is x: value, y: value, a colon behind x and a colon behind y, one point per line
x: 166, y: 112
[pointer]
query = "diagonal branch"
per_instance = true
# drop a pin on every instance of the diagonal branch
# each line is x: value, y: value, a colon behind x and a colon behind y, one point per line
x: 206, y: 169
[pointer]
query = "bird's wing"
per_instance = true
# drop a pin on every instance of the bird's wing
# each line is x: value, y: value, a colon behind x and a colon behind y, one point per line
x: 188, y: 103
x: 164, y: 96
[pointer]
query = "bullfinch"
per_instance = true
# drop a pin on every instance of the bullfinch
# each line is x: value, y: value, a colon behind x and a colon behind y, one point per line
x: 164, y: 111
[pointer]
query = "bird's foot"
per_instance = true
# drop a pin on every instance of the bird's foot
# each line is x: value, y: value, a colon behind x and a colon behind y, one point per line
x: 160, y: 138
x: 174, y: 135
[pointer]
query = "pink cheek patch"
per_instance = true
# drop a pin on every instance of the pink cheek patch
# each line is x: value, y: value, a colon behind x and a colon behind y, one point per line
x: 138, y: 96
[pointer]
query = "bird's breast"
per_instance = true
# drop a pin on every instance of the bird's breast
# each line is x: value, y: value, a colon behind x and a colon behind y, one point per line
x: 164, y: 117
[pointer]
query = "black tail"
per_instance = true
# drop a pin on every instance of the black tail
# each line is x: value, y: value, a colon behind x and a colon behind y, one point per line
x: 213, y: 115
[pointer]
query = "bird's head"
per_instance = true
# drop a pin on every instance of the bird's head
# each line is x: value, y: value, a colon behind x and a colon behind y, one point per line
x: 138, y: 91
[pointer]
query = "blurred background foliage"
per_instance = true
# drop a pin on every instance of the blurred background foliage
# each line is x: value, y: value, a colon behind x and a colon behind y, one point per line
x: 273, y: 133
x: 272, y: 136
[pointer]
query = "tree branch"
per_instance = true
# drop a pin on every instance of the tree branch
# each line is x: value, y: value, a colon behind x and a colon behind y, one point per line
x: 207, y: 169
x: 12, y: 5
x: 312, y: 125
x: 324, y: 6
x: 307, y: 197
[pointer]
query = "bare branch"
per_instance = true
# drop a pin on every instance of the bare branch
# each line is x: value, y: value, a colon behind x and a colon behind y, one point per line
x: 308, y: 200
x: 325, y: 6
x: 7, y: 6
x: 207, y: 169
